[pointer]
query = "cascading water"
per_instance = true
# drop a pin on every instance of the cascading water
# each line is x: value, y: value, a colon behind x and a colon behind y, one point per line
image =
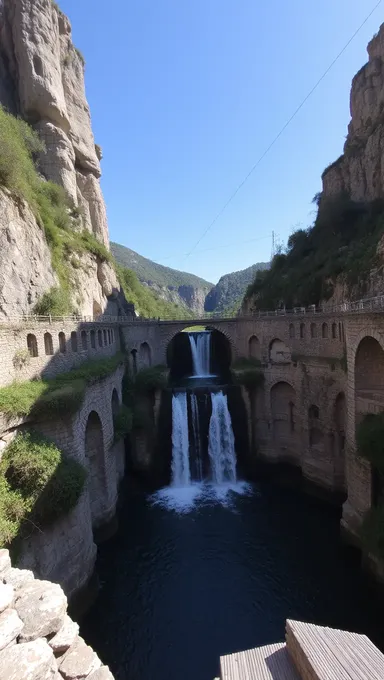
x: 181, y: 473
x: 201, y: 353
x: 221, y: 443
x: 196, y: 437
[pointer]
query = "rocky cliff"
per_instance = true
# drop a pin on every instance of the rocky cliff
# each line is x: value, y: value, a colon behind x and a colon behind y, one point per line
x: 42, y: 81
x: 227, y: 295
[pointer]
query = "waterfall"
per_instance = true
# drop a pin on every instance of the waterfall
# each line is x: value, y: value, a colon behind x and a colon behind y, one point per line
x: 201, y: 353
x: 196, y: 437
x: 181, y: 474
x: 221, y: 444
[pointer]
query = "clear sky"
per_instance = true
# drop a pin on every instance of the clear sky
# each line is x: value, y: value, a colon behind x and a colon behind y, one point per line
x: 187, y: 94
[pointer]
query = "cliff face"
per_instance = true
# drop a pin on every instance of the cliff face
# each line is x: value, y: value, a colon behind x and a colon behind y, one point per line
x: 359, y: 172
x: 42, y: 80
x: 226, y: 296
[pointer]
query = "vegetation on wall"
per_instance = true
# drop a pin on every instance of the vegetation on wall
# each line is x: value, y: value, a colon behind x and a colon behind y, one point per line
x: 55, y: 396
x: 151, y: 379
x: 341, y: 245
x: 38, y: 485
x: 247, y: 372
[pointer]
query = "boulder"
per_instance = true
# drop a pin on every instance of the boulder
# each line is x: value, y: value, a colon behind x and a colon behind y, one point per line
x: 102, y: 673
x: 42, y: 607
x: 18, y: 577
x: 10, y: 627
x: 65, y: 637
x: 79, y: 661
x: 5, y: 561
x: 7, y: 593
x: 30, y: 661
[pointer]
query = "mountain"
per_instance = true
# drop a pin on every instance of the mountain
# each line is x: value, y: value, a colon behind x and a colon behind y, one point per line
x: 179, y: 288
x: 227, y: 295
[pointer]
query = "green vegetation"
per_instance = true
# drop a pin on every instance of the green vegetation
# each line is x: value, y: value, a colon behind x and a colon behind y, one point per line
x: 370, y: 439
x: 56, y: 396
x: 38, y: 485
x: 146, y: 302
x: 122, y: 422
x: 226, y: 297
x: 80, y: 55
x: 247, y: 372
x: 341, y: 245
x: 151, y: 379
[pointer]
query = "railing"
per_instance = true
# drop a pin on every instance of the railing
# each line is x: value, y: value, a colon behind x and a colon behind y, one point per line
x: 374, y: 304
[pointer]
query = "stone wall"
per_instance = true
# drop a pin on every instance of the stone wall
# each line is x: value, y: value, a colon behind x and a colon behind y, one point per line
x: 38, y: 640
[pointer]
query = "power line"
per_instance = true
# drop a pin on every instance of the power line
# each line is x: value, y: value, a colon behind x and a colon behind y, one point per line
x: 304, y: 101
x: 227, y: 245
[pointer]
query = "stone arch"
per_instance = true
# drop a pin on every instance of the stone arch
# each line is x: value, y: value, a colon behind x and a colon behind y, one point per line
x: 369, y: 377
x: 62, y: 343
x: 32, y: 345
x: 100, y: 338
x: 254, y: 347
x: 93, y: 340
x: 178, y: 328
x: 84, y: 342
x: 94, y: 457
x: 134, y: 361
x: 313, y: 330
x: 48, y: 344
x: 105, y: 337
x: 316, y: 436
x: 145, y: 355
x: 314, y: 412
x: 74, y: 341
x: 279, y: 353
x: 302, y: 330
x: 284, y: 424
x: 334, y: 331
x: 291, y: 330
x: 324, y: 330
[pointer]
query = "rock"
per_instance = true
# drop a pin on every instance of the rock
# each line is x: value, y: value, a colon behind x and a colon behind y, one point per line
x: 30, y: 661
x: 79, y: 661
x: 65, y: 637
x: 18, y: 577
x: 42, y: 607
x: 102, y: 673
x: 7, y: 593
x: 10, y: 627
x: 5, y: 561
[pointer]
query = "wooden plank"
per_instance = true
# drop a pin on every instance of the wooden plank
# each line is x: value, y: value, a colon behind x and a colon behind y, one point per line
x: 270, y: 662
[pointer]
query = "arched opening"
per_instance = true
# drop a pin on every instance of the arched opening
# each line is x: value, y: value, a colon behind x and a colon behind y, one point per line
x: 315, y: 433
x: 145, y: 355
x: 109, y: 336
x: 97, y: 311
x: 254, y: 348
x: 32, y: 345
x: 48, y: 344
x: 207, y: 347
x: 313, y: 330
x: 369, y: 394
x: 94, y: 456
x: 134, y: 361
x: 93, y: 339
x: 100, y: 338
x: 74, y: 341
x: 340, y: 331
x: 324, y: 330
x: 105, y: 337
x: 62, y: 343
x: 83, y: 340
x: 313, y: 412
x: 279, y: 353
x: 334, y: 331
x: 339, y: 428
x: 284, y: 426
x: 302, y: 331
x: 291, y: 330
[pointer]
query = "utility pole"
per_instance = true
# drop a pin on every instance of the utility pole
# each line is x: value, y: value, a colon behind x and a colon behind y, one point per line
x: 273, y: 246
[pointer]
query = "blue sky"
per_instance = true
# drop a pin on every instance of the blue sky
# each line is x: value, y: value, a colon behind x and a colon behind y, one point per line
x: 187, y: 94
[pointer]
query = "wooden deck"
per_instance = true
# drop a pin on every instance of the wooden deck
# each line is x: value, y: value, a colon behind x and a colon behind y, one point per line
x: 310, y: 653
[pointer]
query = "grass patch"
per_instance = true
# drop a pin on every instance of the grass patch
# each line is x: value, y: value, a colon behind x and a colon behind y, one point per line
x: 63, y: 394
x: 247, y: 372
x: 370, y: 439
x: 38, y: 485
x: 341, y: 245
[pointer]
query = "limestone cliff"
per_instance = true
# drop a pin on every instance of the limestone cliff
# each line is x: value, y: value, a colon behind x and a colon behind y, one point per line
x: 42, y: 81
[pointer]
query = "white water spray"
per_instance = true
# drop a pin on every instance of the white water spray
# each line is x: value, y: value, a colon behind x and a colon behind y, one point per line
x: 201, y: 353
x: 221, y: 444
x: 181, y: 473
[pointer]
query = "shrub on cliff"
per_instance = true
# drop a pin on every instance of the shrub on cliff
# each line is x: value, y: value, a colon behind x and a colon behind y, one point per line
x: 38, y: 485
x: 370, y: 439
x: 146, y: 303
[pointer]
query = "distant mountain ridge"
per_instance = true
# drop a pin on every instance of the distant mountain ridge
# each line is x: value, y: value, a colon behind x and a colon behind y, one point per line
x: 227, y: 295
x: 180, y: 288
x: 191, y: 292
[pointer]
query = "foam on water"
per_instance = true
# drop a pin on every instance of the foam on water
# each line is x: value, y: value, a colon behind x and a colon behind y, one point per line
x: 185, y: 499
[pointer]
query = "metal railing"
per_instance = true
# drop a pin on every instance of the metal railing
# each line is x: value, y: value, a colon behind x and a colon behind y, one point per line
x: 374, y: 304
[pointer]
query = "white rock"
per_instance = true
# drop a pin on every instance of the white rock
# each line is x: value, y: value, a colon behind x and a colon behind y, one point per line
x: 79, y: 661
x: 102, y: 673
x: 18, y: 577
x: 7, y: 594
x: 5, y: 561
x: 10, y: 627
x: 42, y: 607
x: 30, y: 661
x: 65, y: 637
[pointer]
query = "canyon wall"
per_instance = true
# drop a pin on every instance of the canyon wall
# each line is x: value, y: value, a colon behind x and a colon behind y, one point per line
x: 42, y: 81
